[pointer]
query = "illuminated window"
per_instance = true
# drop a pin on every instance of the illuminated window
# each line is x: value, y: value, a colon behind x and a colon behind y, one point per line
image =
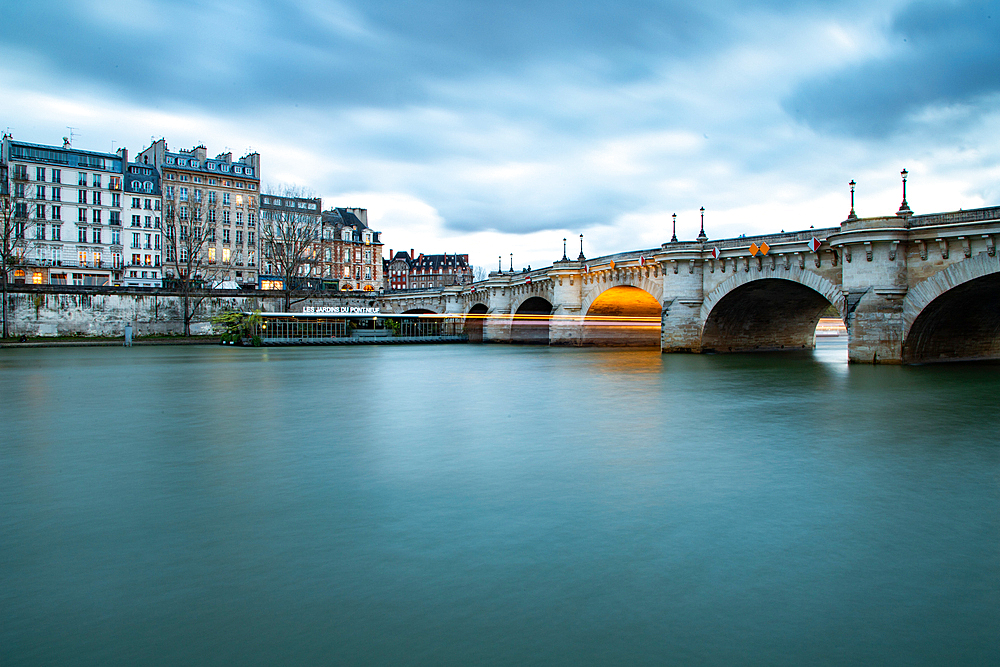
x: 211, y: 255
x: 225, y: 255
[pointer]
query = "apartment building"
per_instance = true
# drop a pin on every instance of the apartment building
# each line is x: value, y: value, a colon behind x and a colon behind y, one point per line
x: 350, y: 251
x: 215, y: 197
x: 291, y: 239
x: 67, y: 207
x: 142, y: 235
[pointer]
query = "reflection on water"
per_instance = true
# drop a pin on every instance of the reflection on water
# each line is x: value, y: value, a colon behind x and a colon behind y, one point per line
x: 495, y: 504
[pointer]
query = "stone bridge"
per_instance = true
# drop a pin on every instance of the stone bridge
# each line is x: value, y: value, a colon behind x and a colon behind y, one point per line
x: 910, y: 288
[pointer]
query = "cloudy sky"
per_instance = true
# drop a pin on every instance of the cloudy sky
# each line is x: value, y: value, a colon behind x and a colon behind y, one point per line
x: 494, y: 128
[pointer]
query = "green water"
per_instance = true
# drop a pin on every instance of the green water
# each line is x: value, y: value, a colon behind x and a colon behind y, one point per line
x: 498, y: 505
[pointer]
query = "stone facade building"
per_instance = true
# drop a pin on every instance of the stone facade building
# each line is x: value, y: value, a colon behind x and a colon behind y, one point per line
x: 408, y: 271
x: 143, y: 227
x: 216, y: 194
x: 350, y: 251
x: 67, y: 206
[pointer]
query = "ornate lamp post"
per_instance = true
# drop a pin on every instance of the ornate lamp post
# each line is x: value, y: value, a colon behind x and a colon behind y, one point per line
x: 512, y: 262
x: 904, y: 208
x: 852, y: 215
x: 564, y: 257
x: 702, y: 236
x: 581, y: 257
x: 673, y: 238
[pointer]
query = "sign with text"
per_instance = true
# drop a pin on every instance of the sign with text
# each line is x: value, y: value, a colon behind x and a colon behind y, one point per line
x: 342, y: 310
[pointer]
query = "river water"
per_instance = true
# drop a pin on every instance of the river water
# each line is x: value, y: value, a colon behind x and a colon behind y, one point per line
x: 498, y: 505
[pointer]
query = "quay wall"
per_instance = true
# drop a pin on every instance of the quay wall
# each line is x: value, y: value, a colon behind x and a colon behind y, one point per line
x: 51, y: 311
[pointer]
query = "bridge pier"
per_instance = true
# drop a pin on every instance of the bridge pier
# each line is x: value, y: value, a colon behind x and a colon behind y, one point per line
x: 683, y: 295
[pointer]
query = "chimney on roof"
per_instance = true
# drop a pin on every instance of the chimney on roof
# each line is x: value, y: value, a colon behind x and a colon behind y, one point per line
x: 412, y: 256
x: 390, y: 253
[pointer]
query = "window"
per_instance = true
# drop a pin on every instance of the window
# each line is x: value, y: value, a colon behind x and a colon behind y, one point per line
x: 97, y: 215
x: 149, y: 242
x: 136, y: 221
x: 39, y: 173
x: 156, y: 242
x: 136, y: 202
x: 56, y: 194
x: 40, y: 232
x: 97, y: 180
x: 184, y: 194
x: 251, y: 258
x: 250, y: 219
x: 225, y: 255
x: 97, y: 258
x: 156, y: 205
x: 81, y: 178
x: 116, y: 238
x: 81, y: 196
x: 147, y: 204
x: 116, y: 199
x: 170, y: 192
x: 211, y: 235
x: 81, y: 234
x: 211, y: 215
x: 225, y: 217
x: 135, y: 240
x: 149, y: 221
x: 156, y: 222
x: 116, y: 218
x: 136, y: 259
x: 81, y: 215
x: 211, y: 198
x: 149, y: 261
x: 184, y: 212
x: 184, y: 178
x: 250, y: 237
x: 225, y: 199
x: 147, y: 186
x: 239, y: 200
x: 57, y: 175
x: 211, y: 166
x: 197, y: 195
x: 239, y: 217
x: 170, y: 160
x: 196, y: 179
x: 114, y: 183
x: 96, y: 234
x: 96, y: 196
x: 40, y: 211
x: 57, y: 232
x: 57, y: 212
x: 239, y: 237
x: 225, y: 236
x: 211, y: 254
x: 81, y: 257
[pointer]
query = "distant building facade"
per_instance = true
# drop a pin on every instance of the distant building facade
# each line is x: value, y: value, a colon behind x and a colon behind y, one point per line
x: 219, y: 194
x: 405, y: 271
x: 67, y: 211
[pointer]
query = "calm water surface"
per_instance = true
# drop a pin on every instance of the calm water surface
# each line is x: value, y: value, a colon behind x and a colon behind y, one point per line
x: 459, y: 505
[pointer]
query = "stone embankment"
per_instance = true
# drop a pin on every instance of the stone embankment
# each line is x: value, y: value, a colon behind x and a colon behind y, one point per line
x: 59, y: 310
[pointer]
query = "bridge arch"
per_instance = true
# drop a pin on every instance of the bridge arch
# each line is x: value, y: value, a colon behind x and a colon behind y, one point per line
x: 641, y: 277
x: 530, y: 321
x: 474, y: 321
x: 954, y: 314
x: 624, y: 316
x: 758, y: 310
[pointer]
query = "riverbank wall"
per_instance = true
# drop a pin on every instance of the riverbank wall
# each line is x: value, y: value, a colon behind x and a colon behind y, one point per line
x: 58, y: 310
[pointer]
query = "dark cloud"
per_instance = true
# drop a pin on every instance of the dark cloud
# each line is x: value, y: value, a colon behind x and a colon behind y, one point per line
x: 943, y: 53
x: 369, y: 53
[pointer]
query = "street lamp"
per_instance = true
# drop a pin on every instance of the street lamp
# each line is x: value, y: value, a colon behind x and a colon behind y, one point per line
x: 673, y: 239
x: 581, y: 257
x: 702, y: 237
x: 564, y: 257
x: 904, y: 208
x: 852, y: 215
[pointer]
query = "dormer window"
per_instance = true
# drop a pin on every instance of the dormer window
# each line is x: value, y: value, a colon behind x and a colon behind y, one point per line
x: 211, y: 166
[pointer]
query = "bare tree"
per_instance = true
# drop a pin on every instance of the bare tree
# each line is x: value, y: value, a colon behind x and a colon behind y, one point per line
x: 480, y: 272
x: 289, y: 238
x: 189, y: 249
x: 13, y: 221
